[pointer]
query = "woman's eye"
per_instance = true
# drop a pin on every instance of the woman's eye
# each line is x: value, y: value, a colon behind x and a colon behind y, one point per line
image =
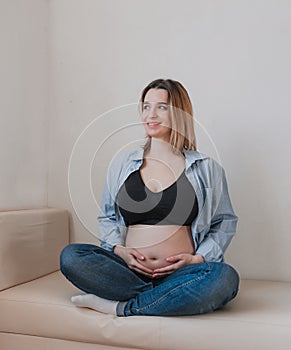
x: 163, y: 107
x: 146, y: 107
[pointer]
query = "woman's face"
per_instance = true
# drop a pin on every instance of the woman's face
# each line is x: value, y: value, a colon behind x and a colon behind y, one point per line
x: 156, y: 114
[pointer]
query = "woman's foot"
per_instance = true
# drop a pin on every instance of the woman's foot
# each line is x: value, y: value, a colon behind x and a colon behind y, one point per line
x: 96, y: 303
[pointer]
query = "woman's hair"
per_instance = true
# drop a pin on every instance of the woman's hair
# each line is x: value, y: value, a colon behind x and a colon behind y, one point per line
x: 181, y: 114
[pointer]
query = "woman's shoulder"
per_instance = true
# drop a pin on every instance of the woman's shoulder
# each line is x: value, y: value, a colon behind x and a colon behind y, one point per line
x: 206, y: 165
x: 126, y: 156
x: 200, y: 158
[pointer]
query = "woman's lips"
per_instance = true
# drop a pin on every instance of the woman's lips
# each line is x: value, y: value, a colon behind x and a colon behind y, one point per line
x: 153, y: 124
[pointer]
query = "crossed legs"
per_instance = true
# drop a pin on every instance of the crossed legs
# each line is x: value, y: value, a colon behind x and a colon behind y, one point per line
x: 114, y: 288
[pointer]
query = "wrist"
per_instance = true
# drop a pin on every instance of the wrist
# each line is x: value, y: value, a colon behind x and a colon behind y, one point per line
x: 117, y: 248
x: 198, y: 259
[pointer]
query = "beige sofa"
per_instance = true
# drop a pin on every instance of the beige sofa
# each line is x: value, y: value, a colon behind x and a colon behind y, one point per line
x: 36, y: 312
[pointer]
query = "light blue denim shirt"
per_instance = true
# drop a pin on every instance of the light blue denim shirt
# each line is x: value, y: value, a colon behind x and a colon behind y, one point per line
x: 215, y: 224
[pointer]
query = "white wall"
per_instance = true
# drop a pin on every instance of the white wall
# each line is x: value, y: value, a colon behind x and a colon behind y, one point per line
x: 24, y: 104
x: 232, y: 56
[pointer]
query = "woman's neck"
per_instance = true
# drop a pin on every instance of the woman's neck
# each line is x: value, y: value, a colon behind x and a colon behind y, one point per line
x: 160, y: 149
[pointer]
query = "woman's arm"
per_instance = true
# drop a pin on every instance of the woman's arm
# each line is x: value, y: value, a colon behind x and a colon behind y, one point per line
x: 111, y: 231
x: 219, y: 232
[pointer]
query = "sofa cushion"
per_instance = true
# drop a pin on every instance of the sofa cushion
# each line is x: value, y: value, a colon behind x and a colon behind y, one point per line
x: 30, y: 243
x: 259, y: 318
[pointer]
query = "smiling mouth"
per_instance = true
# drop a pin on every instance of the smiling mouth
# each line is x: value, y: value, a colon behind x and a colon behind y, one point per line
x: 153, y: 124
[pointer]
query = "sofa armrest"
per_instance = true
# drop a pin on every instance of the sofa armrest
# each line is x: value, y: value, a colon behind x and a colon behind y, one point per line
x: 30, y: 243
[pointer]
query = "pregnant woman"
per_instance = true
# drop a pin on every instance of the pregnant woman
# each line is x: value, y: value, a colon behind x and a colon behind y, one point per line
x: 165, y: 222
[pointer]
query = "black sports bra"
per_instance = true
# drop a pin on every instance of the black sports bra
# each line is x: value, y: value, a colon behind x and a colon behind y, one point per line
x: 175, y: 205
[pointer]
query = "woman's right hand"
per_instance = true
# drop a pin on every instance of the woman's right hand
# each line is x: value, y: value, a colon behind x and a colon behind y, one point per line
x: 133, y: 259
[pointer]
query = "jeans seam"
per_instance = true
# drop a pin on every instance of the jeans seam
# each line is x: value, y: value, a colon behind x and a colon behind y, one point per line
x: 173, y: 290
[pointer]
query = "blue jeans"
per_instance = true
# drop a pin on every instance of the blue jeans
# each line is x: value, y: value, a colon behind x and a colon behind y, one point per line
x: 190, y: 290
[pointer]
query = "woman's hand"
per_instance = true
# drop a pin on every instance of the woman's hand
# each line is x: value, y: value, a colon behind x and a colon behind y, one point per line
x: 133, y: 259
x: 176, y: 262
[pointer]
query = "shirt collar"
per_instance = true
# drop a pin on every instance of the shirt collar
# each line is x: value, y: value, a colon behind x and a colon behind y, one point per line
x: 190, y: 156
x: 137, y: 154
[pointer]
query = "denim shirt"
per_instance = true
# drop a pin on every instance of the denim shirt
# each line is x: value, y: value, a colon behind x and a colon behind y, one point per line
x: 215, y: 224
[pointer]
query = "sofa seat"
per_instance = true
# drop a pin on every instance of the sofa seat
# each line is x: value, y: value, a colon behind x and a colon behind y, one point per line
x: 36, y: 312
x: 40, y: 311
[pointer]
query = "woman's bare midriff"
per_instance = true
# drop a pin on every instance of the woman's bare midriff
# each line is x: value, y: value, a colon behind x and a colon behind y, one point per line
x: 156, y: 243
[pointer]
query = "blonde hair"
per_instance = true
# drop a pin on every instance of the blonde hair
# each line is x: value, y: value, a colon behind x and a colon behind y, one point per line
x: 181, y: 114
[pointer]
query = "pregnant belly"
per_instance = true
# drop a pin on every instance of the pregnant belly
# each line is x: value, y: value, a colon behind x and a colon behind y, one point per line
x: 157, y: 243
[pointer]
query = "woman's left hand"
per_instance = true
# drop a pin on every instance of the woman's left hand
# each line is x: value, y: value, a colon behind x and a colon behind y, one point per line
x: 176, y: 262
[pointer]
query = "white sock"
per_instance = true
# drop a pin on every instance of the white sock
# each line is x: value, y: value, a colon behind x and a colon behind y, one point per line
x: 96, y: 303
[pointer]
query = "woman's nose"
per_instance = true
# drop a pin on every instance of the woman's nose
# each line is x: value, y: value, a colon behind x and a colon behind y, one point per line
x: 152, y: 113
